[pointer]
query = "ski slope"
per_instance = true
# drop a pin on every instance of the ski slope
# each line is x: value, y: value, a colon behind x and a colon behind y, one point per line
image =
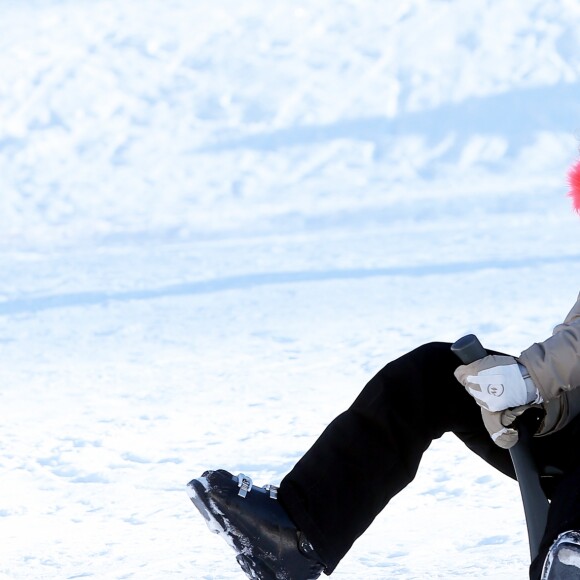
x: 218, y: 221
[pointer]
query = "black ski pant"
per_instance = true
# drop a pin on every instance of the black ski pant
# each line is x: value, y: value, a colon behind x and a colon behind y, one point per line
x: 372, y: 451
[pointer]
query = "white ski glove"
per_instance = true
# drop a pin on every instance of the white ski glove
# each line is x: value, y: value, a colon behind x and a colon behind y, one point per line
x: 504, y: 390
x: 498, y: 382
x: 499, y: 425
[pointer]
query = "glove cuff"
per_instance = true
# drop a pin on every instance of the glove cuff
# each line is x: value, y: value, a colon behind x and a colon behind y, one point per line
x: 534, y: 396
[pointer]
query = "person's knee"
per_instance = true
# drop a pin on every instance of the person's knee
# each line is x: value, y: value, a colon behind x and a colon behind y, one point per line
x: 432, y: 358
x: 433, y: 350
x: 420, y: 373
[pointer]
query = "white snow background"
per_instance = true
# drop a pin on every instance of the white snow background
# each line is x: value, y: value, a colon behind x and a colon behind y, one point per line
x: 219, y: 220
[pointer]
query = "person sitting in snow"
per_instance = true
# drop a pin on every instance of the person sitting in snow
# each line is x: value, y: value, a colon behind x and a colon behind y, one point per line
x: 372, y: 451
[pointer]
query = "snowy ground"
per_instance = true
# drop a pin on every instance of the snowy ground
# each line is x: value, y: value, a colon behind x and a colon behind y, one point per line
x: 218, y: 221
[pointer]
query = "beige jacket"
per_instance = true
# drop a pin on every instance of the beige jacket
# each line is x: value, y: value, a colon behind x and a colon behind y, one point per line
x: 554, y: 365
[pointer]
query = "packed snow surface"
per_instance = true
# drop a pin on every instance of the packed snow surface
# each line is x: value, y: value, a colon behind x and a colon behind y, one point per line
x: 219, y: 220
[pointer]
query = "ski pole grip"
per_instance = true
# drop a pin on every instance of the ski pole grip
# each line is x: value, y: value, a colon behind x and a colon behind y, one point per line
x: 468, y: 349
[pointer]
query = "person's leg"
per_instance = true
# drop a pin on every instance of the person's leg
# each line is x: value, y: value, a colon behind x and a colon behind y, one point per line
x: 563, y: 516
x: 372, y: 451
x: 558, y: 450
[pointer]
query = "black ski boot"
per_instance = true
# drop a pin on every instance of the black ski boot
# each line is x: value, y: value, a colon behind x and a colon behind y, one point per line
x: 252, y: 521
x: 563, y: 559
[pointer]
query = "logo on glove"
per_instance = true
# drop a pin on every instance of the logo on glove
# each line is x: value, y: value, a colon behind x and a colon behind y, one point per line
x: 496, y: 390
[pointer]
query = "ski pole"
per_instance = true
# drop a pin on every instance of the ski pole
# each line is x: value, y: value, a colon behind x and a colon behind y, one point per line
x: 536, y: 505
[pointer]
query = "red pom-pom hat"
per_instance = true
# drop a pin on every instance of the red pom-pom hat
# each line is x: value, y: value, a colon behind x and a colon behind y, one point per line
x: 574, y: 181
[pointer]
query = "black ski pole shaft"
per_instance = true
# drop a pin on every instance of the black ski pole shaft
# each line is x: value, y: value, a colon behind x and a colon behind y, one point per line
x: 536, y: 506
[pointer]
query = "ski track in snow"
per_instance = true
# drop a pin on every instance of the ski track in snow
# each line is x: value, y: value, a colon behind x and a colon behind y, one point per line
x: 218, y: 222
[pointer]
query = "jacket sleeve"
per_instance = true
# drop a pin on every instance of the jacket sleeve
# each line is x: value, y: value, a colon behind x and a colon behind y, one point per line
x: 554, y: 364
